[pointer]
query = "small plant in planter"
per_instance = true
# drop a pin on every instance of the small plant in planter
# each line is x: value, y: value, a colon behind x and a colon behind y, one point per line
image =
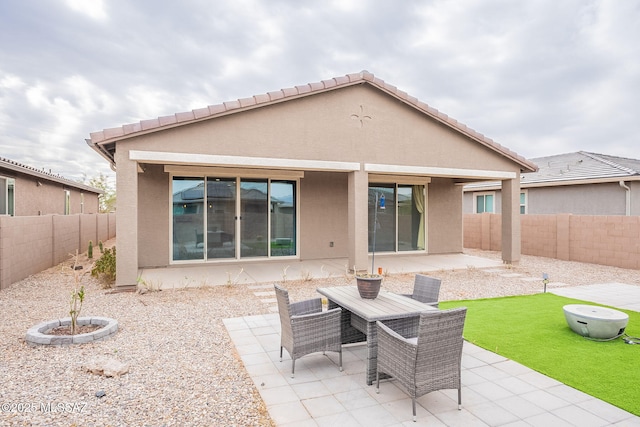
x: 73, y: 329
x: 77, y: 296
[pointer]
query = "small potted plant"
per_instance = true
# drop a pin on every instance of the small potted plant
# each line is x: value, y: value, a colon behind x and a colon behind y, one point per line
x: 368, y: 284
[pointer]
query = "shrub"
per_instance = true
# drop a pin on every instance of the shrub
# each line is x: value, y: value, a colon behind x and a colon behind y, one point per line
x: 105, y: 266
x: 90, y: 250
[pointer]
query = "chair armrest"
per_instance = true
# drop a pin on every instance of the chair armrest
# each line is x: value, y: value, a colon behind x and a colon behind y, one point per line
x: 305, y: 307
x: 431, y: 303
x: 396, y: 354
x: 391, y: 334
x: 326, y: 323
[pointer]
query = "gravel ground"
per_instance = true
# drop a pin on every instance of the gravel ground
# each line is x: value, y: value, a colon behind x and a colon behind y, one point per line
x: 183, y: 368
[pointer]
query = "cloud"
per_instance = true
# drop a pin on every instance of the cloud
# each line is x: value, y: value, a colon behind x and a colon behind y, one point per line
x: 538, y: 77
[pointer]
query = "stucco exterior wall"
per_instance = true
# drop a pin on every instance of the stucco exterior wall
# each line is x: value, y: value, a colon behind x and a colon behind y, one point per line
x: 48, y: 198
x: 444, y: 217
x: 583, y: 199
x: 154, y: 218
x: 323, y: 215
x: 321, y: 127
x: 594, y: 199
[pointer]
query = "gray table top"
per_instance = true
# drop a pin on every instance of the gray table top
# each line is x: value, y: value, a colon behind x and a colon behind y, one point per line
x: 386, y: 306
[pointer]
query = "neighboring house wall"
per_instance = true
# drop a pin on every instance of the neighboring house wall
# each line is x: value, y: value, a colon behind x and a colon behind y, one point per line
x: 586, y: 199
x: 38, y: 195
x: 30, y: 244
x: 49, y: 198
x: 608, y: 240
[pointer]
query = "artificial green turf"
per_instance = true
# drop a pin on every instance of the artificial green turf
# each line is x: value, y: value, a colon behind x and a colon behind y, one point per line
x: 532, y: 330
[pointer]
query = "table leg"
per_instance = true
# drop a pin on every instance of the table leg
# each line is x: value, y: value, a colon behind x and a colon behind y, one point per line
x: 349, y: 334
x: 372, y: 352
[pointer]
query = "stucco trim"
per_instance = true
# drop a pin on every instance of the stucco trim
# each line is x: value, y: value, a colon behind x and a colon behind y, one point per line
x: 399, y: 179
x: 437, y: 172
x: 233, y: 172
x: 172, y: 158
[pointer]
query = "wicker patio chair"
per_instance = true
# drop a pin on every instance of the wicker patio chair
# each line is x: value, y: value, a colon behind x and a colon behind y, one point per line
x: 306, y: 329
x: 429, y: 362
x: 426, y: 289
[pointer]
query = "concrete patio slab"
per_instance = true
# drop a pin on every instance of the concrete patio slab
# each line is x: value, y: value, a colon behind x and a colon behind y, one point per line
x: 496, y: 391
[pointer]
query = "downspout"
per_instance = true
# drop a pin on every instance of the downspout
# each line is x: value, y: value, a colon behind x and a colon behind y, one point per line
x: 627, y: 198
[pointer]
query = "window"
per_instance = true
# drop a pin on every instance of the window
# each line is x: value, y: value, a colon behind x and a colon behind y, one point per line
x: 81, y: 202
x: 242, y: 218
x: 67, y: 202
x: 397, y: 213
x: 484, y: 202
x: 523, y: 202
x: 7, y: 198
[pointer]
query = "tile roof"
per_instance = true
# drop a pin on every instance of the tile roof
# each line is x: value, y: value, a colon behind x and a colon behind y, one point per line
x: 571, y: 167
x: 41, y: 173
x: 103, y: 141
x: 581, y: 165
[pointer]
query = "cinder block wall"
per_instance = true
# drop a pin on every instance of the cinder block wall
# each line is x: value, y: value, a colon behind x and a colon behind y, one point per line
x: 30, y: 244
x: 607, y: 240
x: 66, y: 237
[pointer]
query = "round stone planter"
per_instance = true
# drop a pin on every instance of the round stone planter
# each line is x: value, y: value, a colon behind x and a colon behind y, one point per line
x: 368, y: 287
x: 37, y: 336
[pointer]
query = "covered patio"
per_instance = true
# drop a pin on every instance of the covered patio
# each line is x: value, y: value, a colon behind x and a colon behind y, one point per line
x: 276, y: 271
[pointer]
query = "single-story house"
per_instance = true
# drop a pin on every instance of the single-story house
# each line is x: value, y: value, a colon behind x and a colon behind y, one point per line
x: 579, y: 183
x: 27, y: 191
x: 296, y: 173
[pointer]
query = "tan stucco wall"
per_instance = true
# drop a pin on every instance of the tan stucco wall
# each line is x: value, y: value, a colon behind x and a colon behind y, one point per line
x: 323, y: 215
x: 445, y: 217
x: 49, y: 198
x: 153, y: 221
x: 321, y: 127
x: 578, y: 199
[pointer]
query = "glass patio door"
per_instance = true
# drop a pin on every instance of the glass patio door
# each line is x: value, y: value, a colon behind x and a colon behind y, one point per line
x: 254, y: 218
x: 233, y: 218
x: 221, y: 218
x: 396, y: 217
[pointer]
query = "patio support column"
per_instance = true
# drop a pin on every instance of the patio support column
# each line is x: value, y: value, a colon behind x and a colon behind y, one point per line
x: 358, y: 220
x: 511, y: 236
x: 127, y: 223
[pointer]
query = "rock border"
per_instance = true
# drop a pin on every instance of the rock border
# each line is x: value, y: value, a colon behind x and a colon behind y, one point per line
x: 36, y: 335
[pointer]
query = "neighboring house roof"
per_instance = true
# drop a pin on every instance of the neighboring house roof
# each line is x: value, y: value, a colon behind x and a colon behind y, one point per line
x: 104, y: 141
x: 42, y: 174
x: 573, y: 168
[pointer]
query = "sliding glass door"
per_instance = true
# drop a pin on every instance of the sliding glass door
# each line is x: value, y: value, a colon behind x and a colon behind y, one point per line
x: 242, y: 218
x: 396, y: 217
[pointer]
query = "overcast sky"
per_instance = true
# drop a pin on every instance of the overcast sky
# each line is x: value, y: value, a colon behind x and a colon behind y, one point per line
x: 540, y: 77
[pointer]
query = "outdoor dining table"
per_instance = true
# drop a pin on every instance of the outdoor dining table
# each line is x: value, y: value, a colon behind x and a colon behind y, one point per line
x: 359, y: 318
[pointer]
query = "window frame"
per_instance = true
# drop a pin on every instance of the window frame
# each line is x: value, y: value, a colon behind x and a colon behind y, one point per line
x: 9, y: 195
x: 483, y: 194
